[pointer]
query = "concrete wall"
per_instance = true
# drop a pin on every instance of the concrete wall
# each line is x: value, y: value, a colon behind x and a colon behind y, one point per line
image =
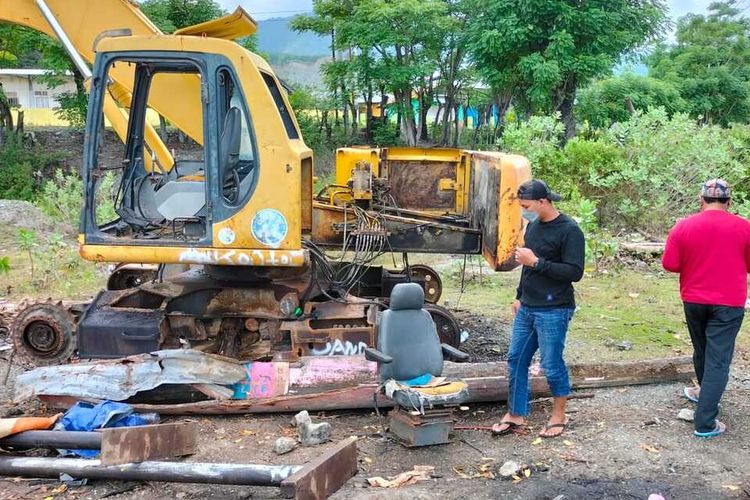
x: 30, y: 93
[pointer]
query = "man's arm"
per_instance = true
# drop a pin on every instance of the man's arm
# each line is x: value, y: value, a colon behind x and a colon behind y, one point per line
x: 670, y: 259
x: 573, y: 259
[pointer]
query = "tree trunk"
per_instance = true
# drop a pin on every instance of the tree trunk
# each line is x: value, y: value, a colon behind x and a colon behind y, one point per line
x: 19, y: 122
x: 408, y: 124
x: 163, y: 129
x: 447, y: 110
x: 456, y: 121
x: 6, y: 118
x: 368, y: 117
x: 353, y: 108
x: 567, y: 95
x: 437, y: 116
x: 383, y: 106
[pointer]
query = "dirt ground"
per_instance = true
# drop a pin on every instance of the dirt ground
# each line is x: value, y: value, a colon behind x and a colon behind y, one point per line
x: 622, y: 443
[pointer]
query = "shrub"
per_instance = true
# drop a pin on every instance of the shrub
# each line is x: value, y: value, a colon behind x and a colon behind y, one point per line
x: 22, y: 168
x: 62, y: 199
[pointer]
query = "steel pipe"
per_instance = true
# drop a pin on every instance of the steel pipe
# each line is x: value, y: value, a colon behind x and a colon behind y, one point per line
x: 176, y: 472
x: 74, y: 440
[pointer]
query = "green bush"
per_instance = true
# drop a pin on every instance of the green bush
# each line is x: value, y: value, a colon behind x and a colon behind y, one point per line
x: 22, y: 167
x: 643, y: 174
x: 72, y: 108
x: 62, y: 199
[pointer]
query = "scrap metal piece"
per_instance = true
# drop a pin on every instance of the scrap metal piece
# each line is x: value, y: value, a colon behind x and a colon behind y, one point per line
x: 434, y: 427
x: 120, y: 379
x: 79, y: 440
x: 176, y: 472
x: 324, y: 475
x: 122, y: 445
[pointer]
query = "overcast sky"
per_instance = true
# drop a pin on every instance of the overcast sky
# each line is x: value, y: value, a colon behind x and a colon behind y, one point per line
x: 264, y: 9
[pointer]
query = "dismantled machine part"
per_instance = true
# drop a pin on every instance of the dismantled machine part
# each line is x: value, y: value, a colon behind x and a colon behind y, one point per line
x: 223, y: 243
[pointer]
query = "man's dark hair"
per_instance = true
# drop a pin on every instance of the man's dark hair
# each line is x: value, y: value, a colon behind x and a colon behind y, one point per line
x: 723, y: 201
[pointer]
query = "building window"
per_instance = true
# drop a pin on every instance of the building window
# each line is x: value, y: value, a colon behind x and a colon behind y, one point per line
x: 41, y: 99
x: 12, y: 99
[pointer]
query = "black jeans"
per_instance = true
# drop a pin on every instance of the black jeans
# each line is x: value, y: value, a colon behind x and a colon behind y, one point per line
x: 713, y: 330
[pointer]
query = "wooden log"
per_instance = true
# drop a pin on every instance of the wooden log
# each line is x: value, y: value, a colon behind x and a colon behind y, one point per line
x: 487, y: 382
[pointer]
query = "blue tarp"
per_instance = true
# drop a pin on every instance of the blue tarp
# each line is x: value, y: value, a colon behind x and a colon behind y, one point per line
x: 87, y: 417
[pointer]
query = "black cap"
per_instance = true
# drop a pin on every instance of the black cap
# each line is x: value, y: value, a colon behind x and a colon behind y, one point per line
x: 537, y: 190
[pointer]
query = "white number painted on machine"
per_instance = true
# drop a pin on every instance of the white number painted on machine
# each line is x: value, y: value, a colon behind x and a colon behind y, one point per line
x: 337, y: 347
x: 234, y: 257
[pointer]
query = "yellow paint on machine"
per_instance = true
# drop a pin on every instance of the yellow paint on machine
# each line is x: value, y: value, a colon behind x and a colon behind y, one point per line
x: 193, y: 255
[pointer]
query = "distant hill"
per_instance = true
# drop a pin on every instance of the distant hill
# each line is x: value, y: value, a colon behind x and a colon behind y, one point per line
x: 275, y: 37
x: 298, y: 70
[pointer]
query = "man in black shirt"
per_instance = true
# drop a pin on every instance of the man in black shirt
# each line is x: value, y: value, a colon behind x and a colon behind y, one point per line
x: 552, y: 259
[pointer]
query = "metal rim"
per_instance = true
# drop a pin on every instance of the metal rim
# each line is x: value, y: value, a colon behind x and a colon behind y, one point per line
x: 44, y: 334
x: 433, y: 285
x: 445, y: 324
x: 43, y: 337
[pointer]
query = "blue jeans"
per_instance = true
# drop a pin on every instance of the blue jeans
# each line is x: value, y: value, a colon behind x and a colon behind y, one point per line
x: 533, y: 329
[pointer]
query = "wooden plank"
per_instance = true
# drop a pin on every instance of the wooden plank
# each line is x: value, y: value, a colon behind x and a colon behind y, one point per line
x: 325, y: 474
x: 122, y: 445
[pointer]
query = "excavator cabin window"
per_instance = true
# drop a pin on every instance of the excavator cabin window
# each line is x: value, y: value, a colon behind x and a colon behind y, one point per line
x: 165, y: 183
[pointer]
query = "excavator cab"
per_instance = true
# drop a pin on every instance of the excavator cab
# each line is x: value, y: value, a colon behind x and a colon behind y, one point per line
x: 217, y: 198
x: 171, y: 203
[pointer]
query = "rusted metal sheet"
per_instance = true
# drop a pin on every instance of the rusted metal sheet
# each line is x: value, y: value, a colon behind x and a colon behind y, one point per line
x: 324, y: 475
x: 416, y: 184
x: 332, y: 328
x: 122, y: 445
x: 493, y: 206
x: 123, y: 378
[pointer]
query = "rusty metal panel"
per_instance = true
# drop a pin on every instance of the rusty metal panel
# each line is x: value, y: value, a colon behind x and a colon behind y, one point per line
x: 124, y: 445
x: 495, y: 178
x: 324, y: 475
x: 416, y: 184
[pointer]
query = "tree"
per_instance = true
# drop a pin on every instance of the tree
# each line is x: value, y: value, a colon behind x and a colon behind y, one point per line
x: 710, y: 64
x: 615, y: 99
x: 389, y: 45
x: 171, y: 15
x: 544, y: 50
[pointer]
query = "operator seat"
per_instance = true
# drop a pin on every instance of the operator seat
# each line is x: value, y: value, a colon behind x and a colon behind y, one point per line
x: 410, y: 362
x: 185, y: 196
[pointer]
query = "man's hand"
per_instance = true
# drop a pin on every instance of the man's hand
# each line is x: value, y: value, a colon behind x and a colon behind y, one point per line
x: 515, y: 307
x: 526, y: 257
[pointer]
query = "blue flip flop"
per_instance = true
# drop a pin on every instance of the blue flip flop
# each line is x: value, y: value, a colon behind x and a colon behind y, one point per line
x: 718, y: 431
x: 686, y: 393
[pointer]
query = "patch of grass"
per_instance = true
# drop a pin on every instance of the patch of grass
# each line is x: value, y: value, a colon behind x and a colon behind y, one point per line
x: 640, y: 307
x: 60, y: 273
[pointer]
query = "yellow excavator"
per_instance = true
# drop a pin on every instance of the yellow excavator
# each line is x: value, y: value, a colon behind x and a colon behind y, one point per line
x: 223, y: 243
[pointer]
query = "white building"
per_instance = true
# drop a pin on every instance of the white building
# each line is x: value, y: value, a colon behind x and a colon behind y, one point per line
x: 23, y: 88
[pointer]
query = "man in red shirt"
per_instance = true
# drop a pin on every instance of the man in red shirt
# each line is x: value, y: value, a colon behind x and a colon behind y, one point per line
x: 711, y: 251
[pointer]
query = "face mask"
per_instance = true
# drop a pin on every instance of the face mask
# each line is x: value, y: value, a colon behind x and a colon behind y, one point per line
x: 529, y: 215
